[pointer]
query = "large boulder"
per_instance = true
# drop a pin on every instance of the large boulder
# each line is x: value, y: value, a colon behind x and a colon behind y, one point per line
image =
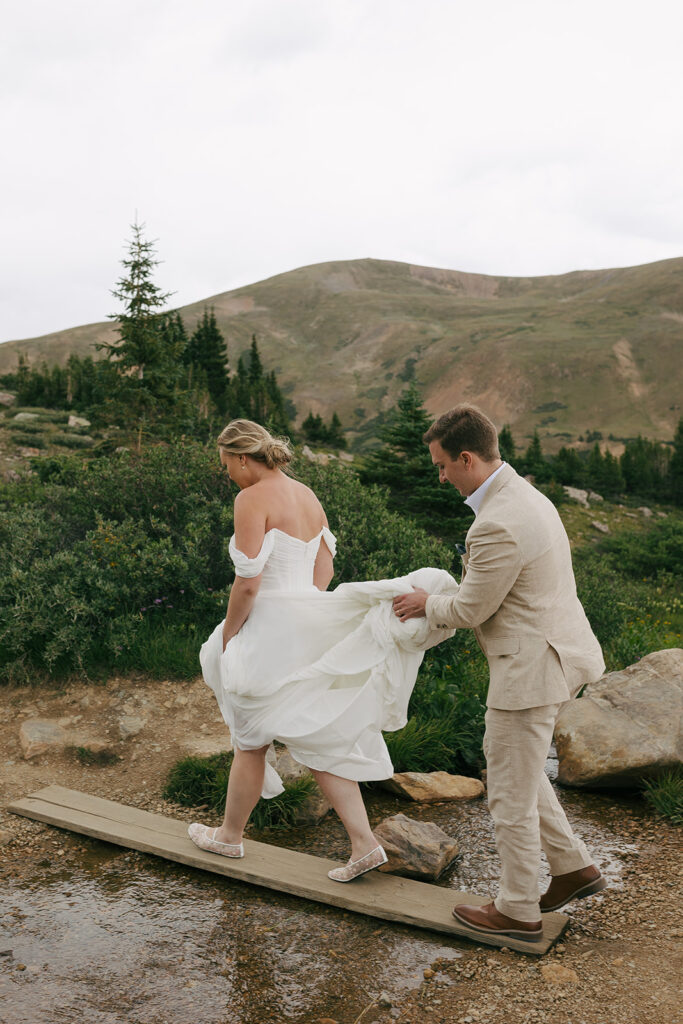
x: 431, y: 787
x: 626, y: 727
x: 417, y: 849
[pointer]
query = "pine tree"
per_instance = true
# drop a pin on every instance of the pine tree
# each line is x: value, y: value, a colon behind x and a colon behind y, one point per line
x: 405, y: 466
x: 337, y: 438
x: 568, y: 467
x: 534, y: 462
x: 675, y: 475
x: 207, y: 351
x: 140, y: 352
x: 595, y: 468
x: 506, y: 445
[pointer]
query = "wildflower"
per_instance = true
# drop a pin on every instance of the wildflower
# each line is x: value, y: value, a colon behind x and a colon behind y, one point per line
x: 157, y: 600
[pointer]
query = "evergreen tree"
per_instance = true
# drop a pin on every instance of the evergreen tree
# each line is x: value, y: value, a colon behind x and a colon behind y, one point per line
x: 207, y: 351
x: 405, y: 466
x: 595, y: 468
x: 568, y: 468
x: 645, y: 468
x: 534, y: 462
x: 675, y: 476
x: 612, y: 479
x: 313, y: 427
x: 506, y: 445
x: 337, y: 438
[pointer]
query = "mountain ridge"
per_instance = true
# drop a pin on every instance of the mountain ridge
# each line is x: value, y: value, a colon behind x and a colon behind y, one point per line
x: 590, y: 350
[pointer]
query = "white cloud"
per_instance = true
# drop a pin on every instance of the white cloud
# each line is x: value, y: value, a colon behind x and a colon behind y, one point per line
x: 521, y: 138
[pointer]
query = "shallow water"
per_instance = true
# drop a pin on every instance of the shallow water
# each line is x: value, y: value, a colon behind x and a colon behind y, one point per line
x: 134, y: 939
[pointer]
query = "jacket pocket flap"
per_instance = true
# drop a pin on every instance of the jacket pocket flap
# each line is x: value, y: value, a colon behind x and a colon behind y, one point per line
x: 502, y: 645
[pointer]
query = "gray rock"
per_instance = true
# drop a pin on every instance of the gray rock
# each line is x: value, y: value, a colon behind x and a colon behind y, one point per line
x: 130, y: 725
x: 207, y: 746
x: 25, y: 417
x: 37, y: 735
x: 593, y: 496
x: 78, y: 421
x: 625, y: 727
x: 316, y: 805
x: 429, y: 787
x: 602, y: 527
x: 577, y: 494
x: 10, y: 476
x: 645, y: 511
x: 5, y: 837
x: 6, y: 398
x: 416, y: 849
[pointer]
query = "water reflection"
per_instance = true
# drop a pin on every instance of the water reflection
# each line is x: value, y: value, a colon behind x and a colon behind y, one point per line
x: 138, y: 940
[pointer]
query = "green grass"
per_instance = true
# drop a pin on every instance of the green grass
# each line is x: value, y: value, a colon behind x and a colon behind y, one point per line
x: 203, y: 781
x: 97, y: 758
x: 665, y: 794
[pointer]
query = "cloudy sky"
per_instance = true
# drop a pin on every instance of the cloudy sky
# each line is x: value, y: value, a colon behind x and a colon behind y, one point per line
x: 532, y: 137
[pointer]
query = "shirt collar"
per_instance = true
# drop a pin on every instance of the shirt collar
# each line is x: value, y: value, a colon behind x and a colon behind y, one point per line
x: 476, y: 497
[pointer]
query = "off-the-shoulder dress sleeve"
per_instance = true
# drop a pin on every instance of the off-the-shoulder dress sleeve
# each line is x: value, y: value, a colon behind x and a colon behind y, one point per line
x: 245, y: 567
x: 330, y: 540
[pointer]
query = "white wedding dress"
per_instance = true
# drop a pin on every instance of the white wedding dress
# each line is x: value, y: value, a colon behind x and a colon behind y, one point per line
x: 323, y: 672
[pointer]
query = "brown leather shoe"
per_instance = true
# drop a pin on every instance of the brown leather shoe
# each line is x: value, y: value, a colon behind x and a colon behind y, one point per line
x: 490, y: 921
x: 572, y: 886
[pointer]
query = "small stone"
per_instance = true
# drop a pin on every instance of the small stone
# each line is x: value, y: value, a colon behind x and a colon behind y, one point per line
x: 78, y: 421
x: 602, y: 527
x: 21, y: 967
x: 5, y: 837
x: 37, y: 735
x: 645, y: 511
x: 556, y: 974
x: 326, y: 1020
x: 130, y: 725
x: 428, y: 973
x: 429, y: 787
x: 384, y: 1000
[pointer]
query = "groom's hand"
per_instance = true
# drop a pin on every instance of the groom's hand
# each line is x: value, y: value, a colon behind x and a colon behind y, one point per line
x: 411, y: 606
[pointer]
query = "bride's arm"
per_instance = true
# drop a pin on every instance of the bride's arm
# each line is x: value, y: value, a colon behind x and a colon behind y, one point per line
x: 242, y: 594
x: 250, y: 528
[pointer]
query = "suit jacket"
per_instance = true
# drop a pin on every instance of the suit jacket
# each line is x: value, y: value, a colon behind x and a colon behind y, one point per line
x: 518, y: 593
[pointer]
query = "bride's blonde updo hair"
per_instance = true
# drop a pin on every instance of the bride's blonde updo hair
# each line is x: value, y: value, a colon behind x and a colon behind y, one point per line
x: 244, y: 437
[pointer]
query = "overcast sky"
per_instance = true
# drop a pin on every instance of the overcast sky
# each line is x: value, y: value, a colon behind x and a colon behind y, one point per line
x: 255, y: 137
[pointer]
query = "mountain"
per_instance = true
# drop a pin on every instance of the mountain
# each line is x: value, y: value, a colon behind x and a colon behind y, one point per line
x: 591, y: 350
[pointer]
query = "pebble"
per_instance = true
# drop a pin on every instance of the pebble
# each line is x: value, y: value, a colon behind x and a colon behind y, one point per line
x: 428, y: 973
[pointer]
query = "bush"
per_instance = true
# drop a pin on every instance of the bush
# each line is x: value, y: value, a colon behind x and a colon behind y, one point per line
x: 203, y: 781
x: 26, y: 427
x: 647, y: 553
x: 665, y: 794
x: 29, y: 440
x: 72, y: 440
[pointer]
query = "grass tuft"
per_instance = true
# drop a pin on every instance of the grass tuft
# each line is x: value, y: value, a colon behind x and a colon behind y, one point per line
x: 98, y: 758
x: 203, y: 781
x: 665, y: 794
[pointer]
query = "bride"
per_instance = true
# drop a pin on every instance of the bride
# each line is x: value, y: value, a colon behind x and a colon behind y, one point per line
x: 321, y: 672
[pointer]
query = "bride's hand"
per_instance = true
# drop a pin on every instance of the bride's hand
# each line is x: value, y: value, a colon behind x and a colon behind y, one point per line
x: 411, y: 606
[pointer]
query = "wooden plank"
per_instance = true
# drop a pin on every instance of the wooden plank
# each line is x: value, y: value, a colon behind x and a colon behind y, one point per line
x: 378, y: 895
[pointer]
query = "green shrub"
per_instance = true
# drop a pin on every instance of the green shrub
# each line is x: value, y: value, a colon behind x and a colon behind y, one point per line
x: 98, y: 758
x: 28, y: 440
x: 665, y: 794
x: 26, y: 427
x: 646, y: 553
x: 73, y: 440
x: 203, y: 781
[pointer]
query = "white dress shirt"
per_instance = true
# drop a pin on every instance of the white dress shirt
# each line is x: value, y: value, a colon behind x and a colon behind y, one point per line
x: 476, y: 497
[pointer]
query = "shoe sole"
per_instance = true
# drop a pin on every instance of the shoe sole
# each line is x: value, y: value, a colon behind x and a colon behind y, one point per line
x: 504, y: 933
x: 586, y: 890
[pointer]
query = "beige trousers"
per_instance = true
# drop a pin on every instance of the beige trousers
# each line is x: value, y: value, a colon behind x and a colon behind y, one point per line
x: 526, y: 813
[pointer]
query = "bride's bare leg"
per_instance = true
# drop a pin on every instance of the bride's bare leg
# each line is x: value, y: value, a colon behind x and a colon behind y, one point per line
x: 244, y: 789
x: 345, y: 797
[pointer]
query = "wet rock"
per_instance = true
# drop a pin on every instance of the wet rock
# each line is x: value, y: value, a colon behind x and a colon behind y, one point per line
x: 556, y: 974
x: 416, y: 849
x: 78, y: 421
x: 625, y: 727
x: 602, y: 527
x: 428, y: 787
x: 130, y: 725
x: 37, y: 735
x: 577, y: 494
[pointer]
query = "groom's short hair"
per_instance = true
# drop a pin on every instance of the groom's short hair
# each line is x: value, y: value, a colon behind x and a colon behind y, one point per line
x: 464, y: 428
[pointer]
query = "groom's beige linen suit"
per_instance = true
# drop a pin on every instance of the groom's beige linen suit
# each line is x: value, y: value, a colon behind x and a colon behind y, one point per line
x: 519, y: 595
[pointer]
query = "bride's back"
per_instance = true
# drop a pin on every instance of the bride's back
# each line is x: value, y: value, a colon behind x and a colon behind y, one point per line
x: 290, y: 507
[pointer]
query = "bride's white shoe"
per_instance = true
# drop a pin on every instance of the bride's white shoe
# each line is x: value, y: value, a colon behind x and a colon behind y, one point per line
x: 199, y: 834
x: 358, y: 867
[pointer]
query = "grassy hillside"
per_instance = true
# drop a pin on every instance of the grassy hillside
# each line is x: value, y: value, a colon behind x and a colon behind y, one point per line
x: 590, y: 350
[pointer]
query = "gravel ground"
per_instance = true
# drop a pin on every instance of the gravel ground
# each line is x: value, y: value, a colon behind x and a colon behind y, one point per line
x: 618, y: 962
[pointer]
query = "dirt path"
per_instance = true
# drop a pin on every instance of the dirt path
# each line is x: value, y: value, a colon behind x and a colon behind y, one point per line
x: 618, y: 963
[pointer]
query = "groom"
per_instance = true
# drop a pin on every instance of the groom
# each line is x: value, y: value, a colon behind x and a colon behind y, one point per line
x: 519, y: 595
